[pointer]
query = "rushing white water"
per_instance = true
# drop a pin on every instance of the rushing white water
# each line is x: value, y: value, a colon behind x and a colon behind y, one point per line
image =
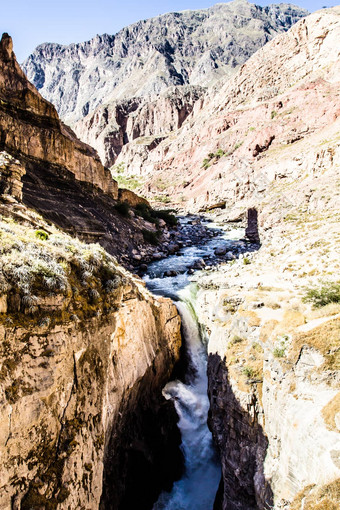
x: 198, y: 487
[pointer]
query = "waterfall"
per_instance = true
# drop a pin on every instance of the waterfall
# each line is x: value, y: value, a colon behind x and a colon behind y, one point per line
x: 198, y: 486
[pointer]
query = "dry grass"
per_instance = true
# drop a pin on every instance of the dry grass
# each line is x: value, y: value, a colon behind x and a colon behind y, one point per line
x: 313, y: 497
x: 253, y: 320
x: 268, y: 329
x: 325, y: 311
x: 325, y: 338
x: 292, y: 319
x: 329, y: 412
x: 35, y: 267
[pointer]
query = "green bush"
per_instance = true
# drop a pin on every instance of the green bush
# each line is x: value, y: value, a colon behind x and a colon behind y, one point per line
x: 219, y: 153
x: 206, y: 163
x: 150, y: 236
x: 236, y: 340
x: 169, y: 218
x: 145, y: 211
x: 42, y: 235
x: 123, y: 208
x: 328, y: 292
x: 279, y: 352
x: 248, y: 372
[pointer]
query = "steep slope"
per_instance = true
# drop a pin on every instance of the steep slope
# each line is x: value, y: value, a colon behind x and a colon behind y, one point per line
x: 114, y: 125
x: 268, y: 141
x: 85, y: 349
x: 255, y: 128
x: 61, y: 177
x: 190, y: 47
x: 30, y: 124
x: 85, y: 352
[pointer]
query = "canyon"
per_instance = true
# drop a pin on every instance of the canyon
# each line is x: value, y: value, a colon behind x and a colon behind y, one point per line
x: 105, y: 87
x: 102, y: 376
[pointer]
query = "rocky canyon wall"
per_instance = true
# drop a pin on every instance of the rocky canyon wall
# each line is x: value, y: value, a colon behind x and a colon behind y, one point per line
x: 30, y: 127
x: 85, y: 352
x: 273, y: 364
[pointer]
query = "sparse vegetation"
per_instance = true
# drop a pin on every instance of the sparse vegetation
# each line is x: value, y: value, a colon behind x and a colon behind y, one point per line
x: 153, y: 216
x: 33, y: 270
x: 123, y: 208
x: 248, y: 372
x: 42, y: 235
x: 324, y: 294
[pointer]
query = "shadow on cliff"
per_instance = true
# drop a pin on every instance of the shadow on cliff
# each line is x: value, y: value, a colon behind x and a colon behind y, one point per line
x: 143, y: 455
x: 241, y: 441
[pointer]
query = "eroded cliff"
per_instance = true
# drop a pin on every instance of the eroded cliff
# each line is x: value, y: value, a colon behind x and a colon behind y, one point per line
x: 144, y: 59
x: 45, y: 165
x: 85, y: 352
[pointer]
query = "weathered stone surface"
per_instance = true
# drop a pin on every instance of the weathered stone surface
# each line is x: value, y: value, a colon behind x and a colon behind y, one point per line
x: 116, y: 124
x: 70, y: 390
x: 125, y: 195
x: 29, y: 126
x: 11, y: 172
x: 266, y: 123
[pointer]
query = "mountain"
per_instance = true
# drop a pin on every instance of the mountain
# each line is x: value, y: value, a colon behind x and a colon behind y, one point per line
x: 62, y: 178
x: 144, y: 59
x: 255, y: 129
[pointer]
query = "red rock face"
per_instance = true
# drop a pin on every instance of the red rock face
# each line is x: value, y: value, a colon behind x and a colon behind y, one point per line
x: 257, y: 127
x: 30, y: 127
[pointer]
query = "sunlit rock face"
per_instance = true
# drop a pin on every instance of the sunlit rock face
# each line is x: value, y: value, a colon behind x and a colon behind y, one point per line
x: 30, y: 127
x: 190, y: 47
x: 81, y: 376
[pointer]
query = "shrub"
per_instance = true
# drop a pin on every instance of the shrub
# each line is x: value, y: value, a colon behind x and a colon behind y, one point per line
x: 273, y: 114
x: 123, y: 208
x: 150, y: 236
x: 246, y: 261
x: 248, y: 372
x: 279, y: 352
x: 219, y: 153
x: 328, y: 292
x: 206, y: 163
x: 236, y: 340
x: 145, y: 211
x: 42, y: 235
x: 170, y: 219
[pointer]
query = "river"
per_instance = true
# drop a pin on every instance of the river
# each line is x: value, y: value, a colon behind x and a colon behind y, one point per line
x: 198, y: 486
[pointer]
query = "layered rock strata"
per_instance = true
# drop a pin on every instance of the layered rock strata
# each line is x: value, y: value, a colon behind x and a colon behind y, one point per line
x: 44, y: 164
x: 109, y: 128
x: 30, y: 127
x: 269, y: 122
x: 85, y: 352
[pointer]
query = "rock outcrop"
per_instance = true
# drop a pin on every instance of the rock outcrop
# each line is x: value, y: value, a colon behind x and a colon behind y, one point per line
x: 114, y: 125
x: 266, y: 123
x: 29, y: 125
x: 273, y: 364
x: 45, y: 165
x: 85, y: 352
x: 190, y: 47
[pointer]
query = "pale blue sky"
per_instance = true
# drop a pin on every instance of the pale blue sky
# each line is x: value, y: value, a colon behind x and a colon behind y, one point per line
x: 31, y: 22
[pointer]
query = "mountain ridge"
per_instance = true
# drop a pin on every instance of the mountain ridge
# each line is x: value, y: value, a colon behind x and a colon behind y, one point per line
x: 167, y: 50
